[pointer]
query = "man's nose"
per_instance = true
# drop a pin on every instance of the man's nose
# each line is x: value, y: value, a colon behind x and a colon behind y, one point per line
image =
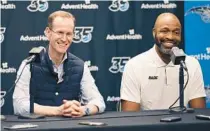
x: 64, y: 37
x: 170, y: 35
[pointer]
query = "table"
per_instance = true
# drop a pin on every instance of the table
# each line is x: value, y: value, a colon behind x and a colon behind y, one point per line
x: 119, y: 121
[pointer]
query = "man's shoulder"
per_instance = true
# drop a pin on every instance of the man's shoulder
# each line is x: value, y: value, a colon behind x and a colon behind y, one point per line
x: 141, y: 58
x: 191, y: 60
x: 73, y: 57
x: 192, y: 63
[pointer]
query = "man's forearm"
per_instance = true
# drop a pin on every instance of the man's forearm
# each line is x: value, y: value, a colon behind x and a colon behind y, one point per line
x: 47, y: 110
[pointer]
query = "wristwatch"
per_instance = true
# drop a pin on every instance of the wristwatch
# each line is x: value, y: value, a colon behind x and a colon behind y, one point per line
x: 87, y: 111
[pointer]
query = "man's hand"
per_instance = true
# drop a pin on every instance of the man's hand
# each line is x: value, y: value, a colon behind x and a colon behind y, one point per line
x: 48, y: 110
x: 73, y: 109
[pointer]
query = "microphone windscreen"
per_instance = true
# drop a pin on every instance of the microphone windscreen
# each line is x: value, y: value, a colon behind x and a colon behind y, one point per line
x: 177, y: 55
x: 36, y: 50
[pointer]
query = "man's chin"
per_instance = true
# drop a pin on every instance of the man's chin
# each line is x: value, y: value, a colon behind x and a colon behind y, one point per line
x: 165, y: 51
x: 62, y: 51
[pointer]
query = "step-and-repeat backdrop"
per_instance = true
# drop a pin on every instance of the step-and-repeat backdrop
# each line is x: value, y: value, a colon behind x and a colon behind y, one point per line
x: 197, y: 40
x: 107, y: 35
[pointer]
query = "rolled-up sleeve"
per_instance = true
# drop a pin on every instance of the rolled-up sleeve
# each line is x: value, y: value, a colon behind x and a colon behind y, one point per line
x: 90, y: 92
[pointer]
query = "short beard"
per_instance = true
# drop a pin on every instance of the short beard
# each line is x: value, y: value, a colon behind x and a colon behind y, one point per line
x: 161, y: 48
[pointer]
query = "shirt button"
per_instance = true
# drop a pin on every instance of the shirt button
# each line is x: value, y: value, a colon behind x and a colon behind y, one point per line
x: 56, y: 93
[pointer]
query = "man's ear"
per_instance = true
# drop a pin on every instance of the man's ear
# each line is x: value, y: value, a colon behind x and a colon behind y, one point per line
x: 47, y: 32
x: 153, y: 32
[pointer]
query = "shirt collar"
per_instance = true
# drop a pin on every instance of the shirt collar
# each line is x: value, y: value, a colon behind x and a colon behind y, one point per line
x: 158, y: 61
x: 64, y: 58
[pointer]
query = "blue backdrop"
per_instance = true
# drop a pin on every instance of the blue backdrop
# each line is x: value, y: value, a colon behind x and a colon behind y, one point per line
x: 197, y: 37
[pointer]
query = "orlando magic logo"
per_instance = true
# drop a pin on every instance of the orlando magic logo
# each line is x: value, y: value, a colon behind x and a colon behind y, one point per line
x: 118, y: 64
x: 3, y: 93
x: 2, y: 31
x: 203, y: 11
x: 83, y: 34
x: 38, y: 5
x: 119, y: 5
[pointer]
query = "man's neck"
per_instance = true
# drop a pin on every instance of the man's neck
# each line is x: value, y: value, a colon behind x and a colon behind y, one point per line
x: 164, y: 57
x: 56, y: 57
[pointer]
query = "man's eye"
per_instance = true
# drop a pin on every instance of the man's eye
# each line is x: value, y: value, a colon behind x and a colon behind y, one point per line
x: 177, y: 32
x: 69, y: 34
x: 164, y: 31
x: 60, y: 33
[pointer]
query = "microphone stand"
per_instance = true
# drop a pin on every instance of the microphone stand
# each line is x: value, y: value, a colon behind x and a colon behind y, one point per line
x: 181, y: 87
x: 181, y: 108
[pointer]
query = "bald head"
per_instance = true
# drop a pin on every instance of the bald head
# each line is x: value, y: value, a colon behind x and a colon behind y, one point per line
x: 166, y: 18
x: 167, y: 33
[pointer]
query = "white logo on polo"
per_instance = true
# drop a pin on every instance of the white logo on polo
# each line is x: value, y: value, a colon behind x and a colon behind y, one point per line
x: 3, y: 93
x: 5, y: 69
x: 33, y: 38
x: 119, y: 5
x: 165, y: 5
x: 83, y: 34
x: 87, y: 5
x: 38, y: 5
x: 2, y: 31
x: 208, y: 50
x: 118, y: 64
x: 5, y: 5
x: 113, y: 98
x: 130, y: 36
x: 91, y: 67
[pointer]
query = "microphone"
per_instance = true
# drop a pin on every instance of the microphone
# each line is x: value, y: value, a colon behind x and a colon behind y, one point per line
x: 178, y: 57
x: 34, y: 54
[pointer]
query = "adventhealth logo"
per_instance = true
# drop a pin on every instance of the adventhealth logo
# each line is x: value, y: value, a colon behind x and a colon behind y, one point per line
x: 5, y: 69
x: 118, y: 64
x: 91, y: 67
x: 113, y: 98
x: 38, y: 5
x: 208, y: 50
x: 165, y: 5
x: 2, y: 31
x: 130, y: 36
x: 83, y: 34
x: 33, y: 38
x: 7, y: 6
x: 85, y: 6
x: 203, y: 56
x: 119, y: 5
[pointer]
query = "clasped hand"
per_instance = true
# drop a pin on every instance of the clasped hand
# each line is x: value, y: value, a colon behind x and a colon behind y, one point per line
x: 71, y: 109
